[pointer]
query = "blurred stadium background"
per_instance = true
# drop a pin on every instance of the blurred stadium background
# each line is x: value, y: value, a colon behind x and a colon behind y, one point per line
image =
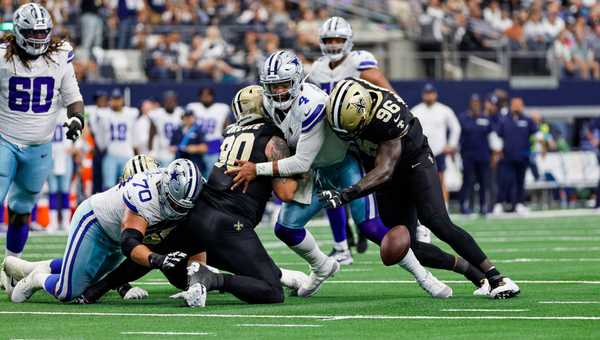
x: 547, y: 52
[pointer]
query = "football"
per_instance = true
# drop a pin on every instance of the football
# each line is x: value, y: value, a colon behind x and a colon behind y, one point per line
x: 395, y: 245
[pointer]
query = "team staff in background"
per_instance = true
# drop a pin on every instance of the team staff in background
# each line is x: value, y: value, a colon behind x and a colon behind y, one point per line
x: 516, y: 130
x: 212, y: 117
x: 164, y: 121
x: 37, y: 80
x: 187, y: 141
x: 441, y: 127
x: 94, y: 112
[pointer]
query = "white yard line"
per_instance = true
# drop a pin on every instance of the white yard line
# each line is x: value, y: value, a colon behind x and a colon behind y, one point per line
x: 166, y: 333
x: 542, y: 282
x: 277, y: 325
x: 485, y: 310
x: 311, y: 317
x: 570, y: 302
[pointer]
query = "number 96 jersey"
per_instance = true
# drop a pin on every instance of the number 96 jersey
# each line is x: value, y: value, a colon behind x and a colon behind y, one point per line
x: 30, y: 97
x: 138, y: 194
x: 390, y: 119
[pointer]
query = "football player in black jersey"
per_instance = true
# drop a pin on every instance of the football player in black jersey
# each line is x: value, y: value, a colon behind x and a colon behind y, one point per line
x: 222, y: 221
x: 403, y: 174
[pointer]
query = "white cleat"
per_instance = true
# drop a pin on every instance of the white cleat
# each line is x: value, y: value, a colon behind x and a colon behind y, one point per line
x: 436, y: 288
x: 343, y: 257
x: 318, y: 276
x: 7, y: 282
x: 423, y: 234
x: 484, y: 290
x: 18, y: 268
x: 25, y: 288
x: 498, y: 209
x: 195, y: 296
x: 506, y: 290
x: 293, y: 279
x: 521, y: 209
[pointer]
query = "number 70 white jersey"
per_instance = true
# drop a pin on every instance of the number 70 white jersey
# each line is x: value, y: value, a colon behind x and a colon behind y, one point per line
x: 139, y: 194
x: 30, y: 97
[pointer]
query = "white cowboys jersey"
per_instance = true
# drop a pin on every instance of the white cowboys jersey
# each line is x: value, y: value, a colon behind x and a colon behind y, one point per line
x: 117, y: 131
x: 30, y: 98
x: 166, y: 124
x: 323, y: 76
x: 139, y: 194
x: 305, y: 131
x: 212, y: 120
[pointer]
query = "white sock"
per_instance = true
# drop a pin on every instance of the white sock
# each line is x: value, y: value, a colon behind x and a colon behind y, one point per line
x: 53, y: 223
x: 39, y: 281
x: 413, y: 266
x: 65, y: 215
x: 309, y: 251
x: 341, y: 246
x: 10, y: 253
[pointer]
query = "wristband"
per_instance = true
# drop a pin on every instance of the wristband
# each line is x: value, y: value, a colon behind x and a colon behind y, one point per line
x: 156, y: 260
x: 264, y: 169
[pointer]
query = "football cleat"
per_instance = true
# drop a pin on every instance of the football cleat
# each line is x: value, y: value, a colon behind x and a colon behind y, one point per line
x: 342, y: 256
x: 26, y: 287
x: 318, y: 276
x: 293, y: 279
x: 423, y: 234
x: 498, y: 209
x: 362, y: 244
x: 521, y: 209
x: 195, y: 296
x: 18, y: 268
x: 7, y: 282
x: 506, y: 289
x: 484, y: 290
x: 434, y: 287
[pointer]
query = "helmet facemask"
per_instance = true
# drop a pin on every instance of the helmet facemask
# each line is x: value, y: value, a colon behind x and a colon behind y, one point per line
x: 336, y: 50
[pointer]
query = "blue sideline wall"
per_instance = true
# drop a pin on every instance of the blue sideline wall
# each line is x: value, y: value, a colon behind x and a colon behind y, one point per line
x: 454, y: 93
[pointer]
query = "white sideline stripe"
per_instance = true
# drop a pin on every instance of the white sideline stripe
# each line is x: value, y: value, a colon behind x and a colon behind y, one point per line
x: 276, y: 325
x: 166, y: 333
x: 543, y: 282
x: 313, y: 317
x: 570, y: 302
x: 483, y: 310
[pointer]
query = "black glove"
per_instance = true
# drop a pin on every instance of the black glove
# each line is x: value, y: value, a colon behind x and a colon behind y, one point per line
x: 331, y: 199
x: 75, y: 126
x: 166, y: 262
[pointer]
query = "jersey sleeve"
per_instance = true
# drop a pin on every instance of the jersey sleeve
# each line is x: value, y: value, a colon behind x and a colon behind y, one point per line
x: 69, y: 88
x: 364, y: 60
x: 141, y: 198
x: 311, y: 139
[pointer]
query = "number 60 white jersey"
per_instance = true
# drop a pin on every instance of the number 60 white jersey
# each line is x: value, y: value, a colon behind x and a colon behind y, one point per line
x: 138, y: 194
x: 30, y: 97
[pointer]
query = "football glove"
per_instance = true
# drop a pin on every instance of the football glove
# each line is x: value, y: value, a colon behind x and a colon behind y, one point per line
x: 135, y: 293
x: 331, y: 199
x: 195, y: 296
x: 75, y: 126
x: 166, y: 262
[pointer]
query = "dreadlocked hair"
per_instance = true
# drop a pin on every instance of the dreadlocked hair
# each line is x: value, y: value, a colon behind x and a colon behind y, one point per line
x: 13, y: 49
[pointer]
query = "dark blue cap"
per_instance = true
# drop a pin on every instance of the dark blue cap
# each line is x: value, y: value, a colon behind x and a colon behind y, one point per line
x: 116, y: 93
x: 475, y: 96
x: 429, y: 88
x: 100, y: 93
x: 188, y: 113
x: 491, y: 98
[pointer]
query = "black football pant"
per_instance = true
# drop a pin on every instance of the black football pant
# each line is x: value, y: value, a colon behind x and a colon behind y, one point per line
x: 415, y: 192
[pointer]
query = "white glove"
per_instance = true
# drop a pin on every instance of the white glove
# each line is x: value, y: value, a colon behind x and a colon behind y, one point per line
x: 136, y: 293
x: 195, y: 296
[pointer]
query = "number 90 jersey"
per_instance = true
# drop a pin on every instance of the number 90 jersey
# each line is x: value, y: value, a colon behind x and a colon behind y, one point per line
x: 246, y: 143
x: 390, y: 119
x: 138, y: 194
x: 30, y: 97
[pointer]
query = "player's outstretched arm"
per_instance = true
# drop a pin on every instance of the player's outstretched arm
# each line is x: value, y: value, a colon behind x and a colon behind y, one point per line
x: 387, y: 157
x: 133, y: 229
x: 284, y: 188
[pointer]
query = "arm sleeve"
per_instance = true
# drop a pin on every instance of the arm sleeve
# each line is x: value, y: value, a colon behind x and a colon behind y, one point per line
x: 69, y: 88
x: 454, y: 127
x: 308, y: 147
x: 365, y: 60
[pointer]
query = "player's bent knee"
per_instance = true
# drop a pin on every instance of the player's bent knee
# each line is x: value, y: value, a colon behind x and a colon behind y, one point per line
x: 18, y: 219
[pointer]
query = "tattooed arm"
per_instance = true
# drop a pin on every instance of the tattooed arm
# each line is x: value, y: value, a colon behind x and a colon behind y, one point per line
x: 284, y: 187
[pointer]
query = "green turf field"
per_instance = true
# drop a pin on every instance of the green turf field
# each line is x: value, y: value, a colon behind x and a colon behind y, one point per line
x: 556, y: 261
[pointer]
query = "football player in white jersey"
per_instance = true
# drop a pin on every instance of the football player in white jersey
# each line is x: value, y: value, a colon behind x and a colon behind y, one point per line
x: 116, y: 135
x: 297, y: 108
x: 110, y: 226
x: 339, y: 61
x: 212, y: 117
x: 164, y: 121
x: 59, y: 180
x: 36, y: 80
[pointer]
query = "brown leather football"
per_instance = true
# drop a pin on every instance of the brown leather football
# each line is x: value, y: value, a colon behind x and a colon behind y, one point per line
x: 395, y: 245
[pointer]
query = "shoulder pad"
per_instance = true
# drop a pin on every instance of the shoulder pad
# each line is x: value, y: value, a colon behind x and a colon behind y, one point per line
x: 364, y: 60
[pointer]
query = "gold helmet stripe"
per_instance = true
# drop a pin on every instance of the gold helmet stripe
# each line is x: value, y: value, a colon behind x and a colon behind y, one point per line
x: 237, y: 109
x: 337, y: 101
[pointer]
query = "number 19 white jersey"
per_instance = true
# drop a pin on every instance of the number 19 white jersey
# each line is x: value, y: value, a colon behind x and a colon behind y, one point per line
x: 166, y: 124
x: 324, y: 77
x: 117, y: 130
x: 30, y: 97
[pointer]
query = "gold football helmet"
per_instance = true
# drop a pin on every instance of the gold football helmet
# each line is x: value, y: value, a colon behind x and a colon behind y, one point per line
x: 247, y: 105
x: 138, y: 164
x: 349, y: 109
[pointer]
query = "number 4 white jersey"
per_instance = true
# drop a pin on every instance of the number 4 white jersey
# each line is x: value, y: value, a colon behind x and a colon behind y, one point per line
x: 139, y: 194
x: 323, y: 76
x: 29, y: 96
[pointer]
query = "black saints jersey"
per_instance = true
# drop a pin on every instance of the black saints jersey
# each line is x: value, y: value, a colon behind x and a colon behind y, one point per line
x: 391, y: 119
x: 245, y: 143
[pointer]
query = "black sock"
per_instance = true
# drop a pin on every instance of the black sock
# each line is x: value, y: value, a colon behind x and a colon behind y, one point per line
x: 494, y: 277
x: 469, y: 271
